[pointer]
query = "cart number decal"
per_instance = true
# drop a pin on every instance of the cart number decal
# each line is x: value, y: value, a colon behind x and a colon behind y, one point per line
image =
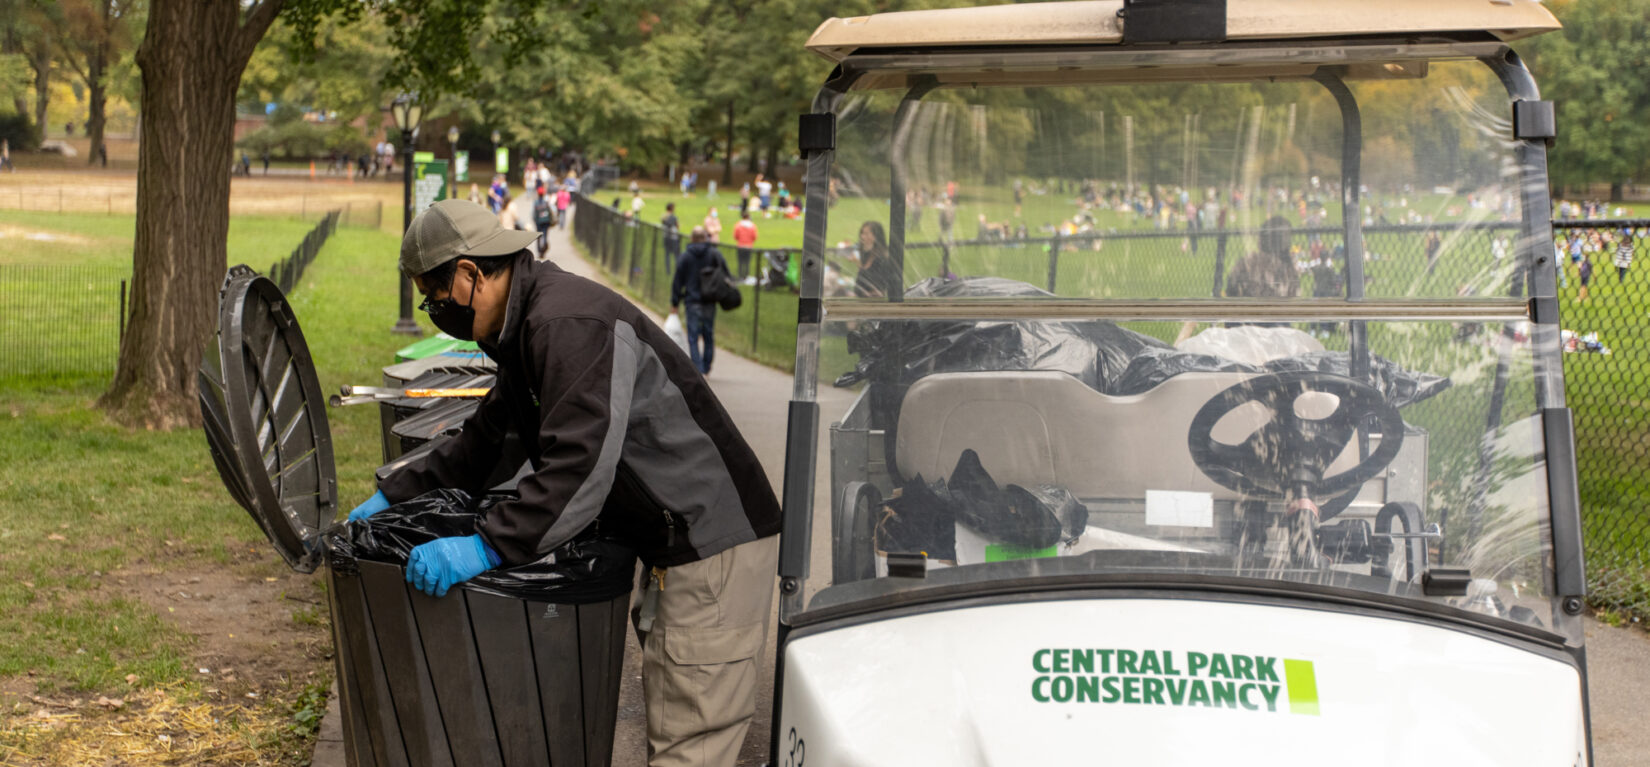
x: 798, y: 749
x: 1174, y: 678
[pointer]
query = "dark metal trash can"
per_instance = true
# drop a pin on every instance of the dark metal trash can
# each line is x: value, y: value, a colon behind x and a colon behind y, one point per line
x: 471, y: 678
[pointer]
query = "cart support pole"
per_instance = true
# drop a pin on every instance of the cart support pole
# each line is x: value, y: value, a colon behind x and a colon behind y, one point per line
x: 1352, y: 140
x: 896, y: 193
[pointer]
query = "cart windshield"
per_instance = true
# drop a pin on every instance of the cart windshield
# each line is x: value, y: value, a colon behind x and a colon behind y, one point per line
x: 1257, y: 330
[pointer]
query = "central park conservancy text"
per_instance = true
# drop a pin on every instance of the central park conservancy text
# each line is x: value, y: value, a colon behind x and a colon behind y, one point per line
x: 1156, y: 678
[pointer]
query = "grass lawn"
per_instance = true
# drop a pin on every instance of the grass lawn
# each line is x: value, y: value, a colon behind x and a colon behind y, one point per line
x: 60, y: 284
x: 131, y: 574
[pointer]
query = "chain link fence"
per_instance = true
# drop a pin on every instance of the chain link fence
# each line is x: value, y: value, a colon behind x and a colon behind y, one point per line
x: 1606, y: 315
x: 1604, y: 278
x: 69, y: 320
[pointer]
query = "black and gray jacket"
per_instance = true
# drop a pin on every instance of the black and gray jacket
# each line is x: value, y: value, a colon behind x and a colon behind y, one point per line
x: 618, y: 426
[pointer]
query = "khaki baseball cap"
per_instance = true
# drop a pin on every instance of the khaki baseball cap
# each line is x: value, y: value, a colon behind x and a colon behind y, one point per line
x: 453, y: 228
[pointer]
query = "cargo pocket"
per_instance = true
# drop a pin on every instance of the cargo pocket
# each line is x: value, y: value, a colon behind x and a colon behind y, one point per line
x: 706, y: 685
x: 705, y: 646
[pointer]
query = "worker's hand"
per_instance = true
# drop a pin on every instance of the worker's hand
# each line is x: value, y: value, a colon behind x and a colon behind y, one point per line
x: 438, y: 565
x: 370, y: 507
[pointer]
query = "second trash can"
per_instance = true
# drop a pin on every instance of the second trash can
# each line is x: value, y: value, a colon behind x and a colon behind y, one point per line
x: 520, y: 667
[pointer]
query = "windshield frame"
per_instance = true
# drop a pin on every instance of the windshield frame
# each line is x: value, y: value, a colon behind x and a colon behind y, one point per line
x: 921, y: 72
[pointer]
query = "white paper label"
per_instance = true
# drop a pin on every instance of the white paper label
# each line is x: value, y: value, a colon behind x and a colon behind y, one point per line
x: 1180, y: 508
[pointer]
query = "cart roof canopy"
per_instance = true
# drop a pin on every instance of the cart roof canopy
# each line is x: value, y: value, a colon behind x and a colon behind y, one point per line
x: 1096, y: 22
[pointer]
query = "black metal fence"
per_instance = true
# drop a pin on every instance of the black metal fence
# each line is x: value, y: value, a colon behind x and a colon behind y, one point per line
x: 287, y: 271
x: 58, y: 320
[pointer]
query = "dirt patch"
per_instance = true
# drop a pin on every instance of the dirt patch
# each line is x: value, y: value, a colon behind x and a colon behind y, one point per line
x: 13, y: 232
x: 258, y: 627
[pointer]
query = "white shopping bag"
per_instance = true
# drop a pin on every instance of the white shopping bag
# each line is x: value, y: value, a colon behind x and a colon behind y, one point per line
x: 674, y: 329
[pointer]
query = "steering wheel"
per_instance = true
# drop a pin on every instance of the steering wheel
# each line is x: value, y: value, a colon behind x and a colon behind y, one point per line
x: 1290, y: 453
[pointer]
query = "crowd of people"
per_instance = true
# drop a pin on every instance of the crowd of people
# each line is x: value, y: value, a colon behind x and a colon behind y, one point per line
x: 545, y: 196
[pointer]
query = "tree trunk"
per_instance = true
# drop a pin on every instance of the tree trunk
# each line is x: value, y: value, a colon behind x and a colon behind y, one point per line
x: 1615, y: 191
x: 97, y: 97
x: 753, y: 160
x: 773, y: 161
x: 727, y: 156
x: 42, y: 89
x: 191, y: 57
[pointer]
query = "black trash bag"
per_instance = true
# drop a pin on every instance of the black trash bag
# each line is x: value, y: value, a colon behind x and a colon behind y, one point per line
x: 590, y: 568
x: 1093, y: 351
x: 1072, y: 514
x: 1153, y: 366
x: 919, y: 519
x: 922, y: 516
x: 1018, y: 518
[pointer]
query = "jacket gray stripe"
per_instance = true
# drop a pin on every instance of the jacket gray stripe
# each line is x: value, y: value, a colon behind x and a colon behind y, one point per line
x: 587, y: 501
x: 680, y: 464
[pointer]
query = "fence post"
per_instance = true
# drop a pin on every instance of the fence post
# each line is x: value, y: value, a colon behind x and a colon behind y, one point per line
x: 652, y: 269
x: 122, y: 338
x: 1220, y: 263
x: 756, y: 311
x: 1053, y: 260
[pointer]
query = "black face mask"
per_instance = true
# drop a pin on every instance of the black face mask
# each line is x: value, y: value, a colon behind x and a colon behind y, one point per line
x: 454, y: 319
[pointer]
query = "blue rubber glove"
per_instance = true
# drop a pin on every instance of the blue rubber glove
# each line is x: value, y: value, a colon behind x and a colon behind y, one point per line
x: 370, y: 507
x: 442, y: 563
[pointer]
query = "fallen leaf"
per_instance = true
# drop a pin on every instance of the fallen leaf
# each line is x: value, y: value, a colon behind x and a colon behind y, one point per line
x: 56, y: 537
x: 131, y: 678
x: 110, y: 703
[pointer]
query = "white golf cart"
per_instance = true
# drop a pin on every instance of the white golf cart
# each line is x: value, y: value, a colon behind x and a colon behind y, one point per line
x: 1216, y: 416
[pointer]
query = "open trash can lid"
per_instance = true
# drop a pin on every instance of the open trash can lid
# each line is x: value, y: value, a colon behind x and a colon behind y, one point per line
x: 265, y: 418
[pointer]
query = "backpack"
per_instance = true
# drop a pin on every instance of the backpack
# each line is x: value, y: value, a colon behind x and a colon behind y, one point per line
x: 542, y: 215
x: 716, y: 286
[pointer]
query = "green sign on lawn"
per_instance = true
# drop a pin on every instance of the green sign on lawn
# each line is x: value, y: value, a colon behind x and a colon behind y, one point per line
x: 423, y: 156
x: 461, y: 167
x: 429, y: 184
x: 501, y: 162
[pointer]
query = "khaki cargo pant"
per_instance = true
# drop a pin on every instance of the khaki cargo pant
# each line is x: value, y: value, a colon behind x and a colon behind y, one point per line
x: 702, y: 659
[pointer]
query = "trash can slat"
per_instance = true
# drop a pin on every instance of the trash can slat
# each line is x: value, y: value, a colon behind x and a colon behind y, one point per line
x: 455, y: 672
x: 356, y: 629
x: 500, y: 625
x: 603, y: 657
x: 357, y: 737
x: 555, y: 629
x: 389, y: 603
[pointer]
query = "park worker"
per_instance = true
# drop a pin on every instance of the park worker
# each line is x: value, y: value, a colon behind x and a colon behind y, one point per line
x: 622, y: 432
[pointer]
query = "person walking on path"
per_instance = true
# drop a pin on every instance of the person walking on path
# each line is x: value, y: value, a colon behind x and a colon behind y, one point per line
x: 624, y: 433
x: 5, y: 156
x: 673, y: 233
x: 1624, y: 255
x: 564, y: 200
x: 700, y: 315
x: 744, y: 237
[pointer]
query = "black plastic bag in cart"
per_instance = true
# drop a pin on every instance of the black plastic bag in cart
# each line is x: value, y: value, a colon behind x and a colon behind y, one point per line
x: 590, y: 568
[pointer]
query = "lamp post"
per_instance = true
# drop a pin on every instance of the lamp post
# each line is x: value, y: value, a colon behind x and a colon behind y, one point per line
x: 407, y: 112
x: 452, y: 143
x: 495, y: 153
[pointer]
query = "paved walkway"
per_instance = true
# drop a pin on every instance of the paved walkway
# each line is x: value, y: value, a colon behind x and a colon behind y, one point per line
x: 758, y: 396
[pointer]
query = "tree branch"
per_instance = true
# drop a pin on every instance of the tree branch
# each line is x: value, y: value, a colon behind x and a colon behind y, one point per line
x: 257, y: 23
